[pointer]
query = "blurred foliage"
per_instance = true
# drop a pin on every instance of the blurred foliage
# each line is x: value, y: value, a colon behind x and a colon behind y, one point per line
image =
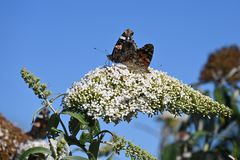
x: 10, y: 137
x: 222, y: 64
x: 218, y: 138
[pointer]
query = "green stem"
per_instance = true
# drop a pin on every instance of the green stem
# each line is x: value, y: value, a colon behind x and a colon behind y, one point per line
x: 53, y: 99
x: 49, y: 104
x: 104, y: 131
x: 74, y: 141
x: 64, y: 128
x: 38, y: 110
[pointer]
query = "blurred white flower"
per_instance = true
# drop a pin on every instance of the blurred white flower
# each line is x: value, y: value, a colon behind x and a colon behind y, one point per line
x: 30, y: 144
x: 115, y: 94
x: 58, y: 147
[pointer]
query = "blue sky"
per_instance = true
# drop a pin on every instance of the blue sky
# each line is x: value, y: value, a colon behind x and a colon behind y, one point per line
x: 55, y: 40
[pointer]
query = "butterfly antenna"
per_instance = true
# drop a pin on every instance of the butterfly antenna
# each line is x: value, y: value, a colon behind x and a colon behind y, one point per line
x: 102, y: 51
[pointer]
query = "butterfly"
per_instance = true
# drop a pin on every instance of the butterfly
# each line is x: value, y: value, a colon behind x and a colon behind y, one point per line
x: 126, y: 52
x: 40, y: 124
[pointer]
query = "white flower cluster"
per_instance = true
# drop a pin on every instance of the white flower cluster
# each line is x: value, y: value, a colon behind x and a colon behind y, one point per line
x: 58, y: 147
x: 114, y: 93
x: 30, y: 144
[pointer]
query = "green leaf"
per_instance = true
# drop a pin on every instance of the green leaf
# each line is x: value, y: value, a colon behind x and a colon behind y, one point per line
x: 53, y: 121
x: 94, y: 128
x: 78, y: 116
x: 198, y: 135
x: 94, y: 148
x: 221, y: 95
x: 74, y: 126
x: 235, y: 103
x: 170, y: 152
x: 55, y: 130
x: 74, y: 158
x: 236, y: 149
x: 34, y: 150
x: 85, y: 137
x: 111, y: 157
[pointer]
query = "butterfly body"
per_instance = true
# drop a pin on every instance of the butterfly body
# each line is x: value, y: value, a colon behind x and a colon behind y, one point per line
x: 126, y: 52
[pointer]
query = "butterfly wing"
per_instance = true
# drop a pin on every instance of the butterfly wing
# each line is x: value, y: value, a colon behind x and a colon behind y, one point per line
x: 125, y: 51
x: 144, y: 56
x: 123, y: 47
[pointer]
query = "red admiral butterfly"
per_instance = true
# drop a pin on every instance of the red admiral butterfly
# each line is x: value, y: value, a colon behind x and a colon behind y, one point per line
x: 126, y: 52
x: 40, y: 124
